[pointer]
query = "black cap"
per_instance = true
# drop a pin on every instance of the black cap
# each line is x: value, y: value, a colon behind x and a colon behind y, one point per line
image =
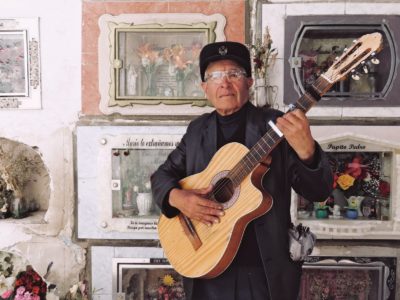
x: 225, y: 50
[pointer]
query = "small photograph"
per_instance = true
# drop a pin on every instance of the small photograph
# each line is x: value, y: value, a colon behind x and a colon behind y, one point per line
x: 13, y: 63
x: 153, y: 279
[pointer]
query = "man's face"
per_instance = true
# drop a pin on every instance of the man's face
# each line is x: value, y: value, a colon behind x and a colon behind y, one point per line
x: 228, y: 95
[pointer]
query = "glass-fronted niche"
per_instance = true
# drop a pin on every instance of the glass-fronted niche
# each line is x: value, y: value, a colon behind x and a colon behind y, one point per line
x: 361, y: 188
x: 131, y: 189
x: 114, y: 164
x: 153, y: 59
x: 318, y: 41
x: 363, y: 203
x: 345, y: 277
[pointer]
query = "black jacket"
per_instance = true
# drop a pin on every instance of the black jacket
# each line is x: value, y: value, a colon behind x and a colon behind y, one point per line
x: 193, y: 154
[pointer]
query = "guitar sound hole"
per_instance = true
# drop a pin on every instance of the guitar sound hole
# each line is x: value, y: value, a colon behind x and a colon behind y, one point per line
x: 223, y: 190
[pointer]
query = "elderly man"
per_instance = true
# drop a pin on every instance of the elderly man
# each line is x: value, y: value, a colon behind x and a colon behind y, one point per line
x: 262, y: 268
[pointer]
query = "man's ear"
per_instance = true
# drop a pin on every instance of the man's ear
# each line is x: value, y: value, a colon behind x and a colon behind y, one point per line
x: 204, y: 87
x: 250, y: 82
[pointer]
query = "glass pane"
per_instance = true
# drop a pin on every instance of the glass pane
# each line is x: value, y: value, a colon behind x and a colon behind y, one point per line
x: 318, y: 49
x: 361, y: 188
x: 162, y: 63
x: 13, y: 63
x: 133, y: 168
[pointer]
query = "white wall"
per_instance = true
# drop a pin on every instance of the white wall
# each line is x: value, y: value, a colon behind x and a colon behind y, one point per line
x: 51, y: 130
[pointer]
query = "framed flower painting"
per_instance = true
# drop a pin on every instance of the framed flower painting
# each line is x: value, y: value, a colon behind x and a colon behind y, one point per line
x: 154, y: 60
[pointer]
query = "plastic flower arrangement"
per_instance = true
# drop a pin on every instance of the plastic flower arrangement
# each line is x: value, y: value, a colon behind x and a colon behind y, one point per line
x: 359, y: 175
x: 182, y: 62
x: 151, y: 60
x: 28, y: 285
x: 170, y: 289
x: 264, y: 55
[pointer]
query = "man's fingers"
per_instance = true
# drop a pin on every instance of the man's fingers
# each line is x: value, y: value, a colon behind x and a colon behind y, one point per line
x: 204, y: 191
x: 208, y: 212
x: 210, y: 204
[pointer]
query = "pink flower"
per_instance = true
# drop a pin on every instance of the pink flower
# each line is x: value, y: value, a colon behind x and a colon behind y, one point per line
x: 7, y: 294
x: 20, y: 291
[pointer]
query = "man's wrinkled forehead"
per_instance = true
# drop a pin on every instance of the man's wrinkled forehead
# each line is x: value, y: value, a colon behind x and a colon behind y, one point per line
x: 223, y: 65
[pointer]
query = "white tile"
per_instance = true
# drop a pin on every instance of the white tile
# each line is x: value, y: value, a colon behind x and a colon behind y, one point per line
x: 372, y: 8
x: 316, y: 9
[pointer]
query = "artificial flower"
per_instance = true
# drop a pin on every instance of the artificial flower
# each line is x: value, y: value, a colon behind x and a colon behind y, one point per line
x: 6, y: 283
x: 384, y: 188
x: 168, y: 280
x: 7, y: 294
x: 30, y: 285
x: 345, y: 181
x: 73, y: 289
x: 264, y: 55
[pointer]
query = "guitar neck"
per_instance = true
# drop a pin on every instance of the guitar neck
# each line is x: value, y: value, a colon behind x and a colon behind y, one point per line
x: 271, y: 139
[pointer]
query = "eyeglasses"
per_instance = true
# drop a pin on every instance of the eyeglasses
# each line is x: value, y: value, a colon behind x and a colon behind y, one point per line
x: 232, y: 76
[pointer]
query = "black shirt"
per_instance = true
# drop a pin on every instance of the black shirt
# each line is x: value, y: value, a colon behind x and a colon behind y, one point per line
x: 232, y: 128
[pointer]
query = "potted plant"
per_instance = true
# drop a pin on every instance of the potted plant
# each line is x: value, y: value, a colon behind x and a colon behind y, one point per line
x: 321, y: 210
x: 352, y: 208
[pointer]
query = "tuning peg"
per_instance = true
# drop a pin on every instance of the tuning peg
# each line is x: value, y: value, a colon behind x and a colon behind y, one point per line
x: 364, y: 67
x: 354, y: 41
x: 345, y: 49
x: 116, y: 152
x: 126, y: 152
x: 337, y: 58
x: 374, y: 60
x: 355, y: 75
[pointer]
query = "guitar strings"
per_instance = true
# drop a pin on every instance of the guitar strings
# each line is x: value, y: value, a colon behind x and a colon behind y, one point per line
x: 237, y: 171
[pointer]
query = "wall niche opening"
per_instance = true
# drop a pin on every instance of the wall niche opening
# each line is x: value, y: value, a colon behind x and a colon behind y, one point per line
x: 24, y: 183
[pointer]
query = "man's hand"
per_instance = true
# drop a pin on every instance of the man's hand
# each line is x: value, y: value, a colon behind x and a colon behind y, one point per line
x: 296, y: 129
x: 194, y: 205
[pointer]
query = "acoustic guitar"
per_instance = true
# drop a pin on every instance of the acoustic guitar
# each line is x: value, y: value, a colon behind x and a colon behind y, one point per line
x: 235, y: 172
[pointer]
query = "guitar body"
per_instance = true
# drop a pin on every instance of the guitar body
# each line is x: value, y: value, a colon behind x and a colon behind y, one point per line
x: 219, y: 242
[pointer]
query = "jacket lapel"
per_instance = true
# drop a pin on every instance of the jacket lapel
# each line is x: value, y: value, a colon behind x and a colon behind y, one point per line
x: 209, y: 138
x: 254, y: 126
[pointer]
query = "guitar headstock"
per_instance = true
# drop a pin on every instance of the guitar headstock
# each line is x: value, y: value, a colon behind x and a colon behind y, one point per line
x: 365, y: 46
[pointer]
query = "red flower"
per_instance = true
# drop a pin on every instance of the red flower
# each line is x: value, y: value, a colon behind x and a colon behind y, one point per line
x: 32, y: 283
x: 335, y: 178
x: 35, y: 290
x: 384, y: 188
x: 18, y: 282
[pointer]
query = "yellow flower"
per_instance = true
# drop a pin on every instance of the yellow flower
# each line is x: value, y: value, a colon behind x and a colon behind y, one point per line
x: 168, y: 280
x: 345, y: 181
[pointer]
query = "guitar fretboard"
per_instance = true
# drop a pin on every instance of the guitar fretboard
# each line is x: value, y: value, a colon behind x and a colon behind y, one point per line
x: 271, y: 139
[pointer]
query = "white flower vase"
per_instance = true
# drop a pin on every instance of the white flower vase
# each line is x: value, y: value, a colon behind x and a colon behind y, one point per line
x: 265, y: 94
x: 260, y: 92
x: 144, y: 203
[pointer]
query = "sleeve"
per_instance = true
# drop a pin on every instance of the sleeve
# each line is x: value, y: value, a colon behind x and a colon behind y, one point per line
x: 313, y: 181
x: 167, y: 177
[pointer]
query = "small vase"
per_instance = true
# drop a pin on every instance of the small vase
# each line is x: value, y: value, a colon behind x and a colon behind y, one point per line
x: 260, y: 92
x: 339, y: 198
x: 127, y: 202
x: 180, y: 87
x: 351, y: 213
x: 151, y: 89
x: 321, y: 213
x: 144, y: 203
x: 265, y: 93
